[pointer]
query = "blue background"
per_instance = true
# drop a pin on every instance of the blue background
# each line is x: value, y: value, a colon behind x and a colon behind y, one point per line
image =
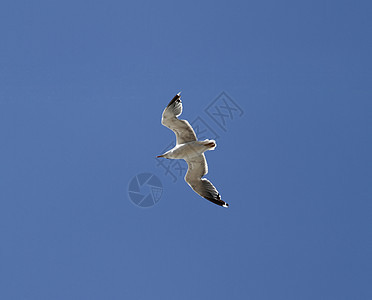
x: 82, y: 88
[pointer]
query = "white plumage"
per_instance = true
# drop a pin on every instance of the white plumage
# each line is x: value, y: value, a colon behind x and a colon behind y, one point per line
x: 191, y: 150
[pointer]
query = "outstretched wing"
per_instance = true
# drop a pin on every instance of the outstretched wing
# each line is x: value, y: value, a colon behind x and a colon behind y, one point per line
x: 182, y: 128
x: 197, y: 169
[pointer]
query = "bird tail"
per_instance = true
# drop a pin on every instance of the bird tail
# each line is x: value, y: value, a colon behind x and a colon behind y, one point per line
x: 210, y: 144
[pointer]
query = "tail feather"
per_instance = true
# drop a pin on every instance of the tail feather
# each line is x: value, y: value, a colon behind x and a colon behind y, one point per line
x: 210, y: 144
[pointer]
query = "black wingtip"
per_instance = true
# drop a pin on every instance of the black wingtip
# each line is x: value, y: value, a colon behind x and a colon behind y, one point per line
x: 175, y: 98
x: 218, y: 201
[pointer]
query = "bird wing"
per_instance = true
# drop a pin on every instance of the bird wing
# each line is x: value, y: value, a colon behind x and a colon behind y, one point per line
x: 198, y: 167
x: 182, y: 128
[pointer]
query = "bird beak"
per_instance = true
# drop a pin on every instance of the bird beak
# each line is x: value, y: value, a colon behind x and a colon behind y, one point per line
x: 160, y: 156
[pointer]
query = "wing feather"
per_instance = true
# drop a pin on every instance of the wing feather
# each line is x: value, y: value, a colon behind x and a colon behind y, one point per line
x: 182, y: 129
x: 198, y: 167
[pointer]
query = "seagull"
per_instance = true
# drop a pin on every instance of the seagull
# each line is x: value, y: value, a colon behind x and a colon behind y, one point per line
x: 191, y: 150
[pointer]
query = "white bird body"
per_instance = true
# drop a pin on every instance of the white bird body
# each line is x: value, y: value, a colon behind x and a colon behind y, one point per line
x: 191, y: 150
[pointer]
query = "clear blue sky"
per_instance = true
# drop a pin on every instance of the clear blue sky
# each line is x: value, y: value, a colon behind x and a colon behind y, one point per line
x: 82, y: 88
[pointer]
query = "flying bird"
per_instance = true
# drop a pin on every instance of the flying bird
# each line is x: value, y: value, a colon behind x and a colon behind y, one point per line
x: 191, y: 150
